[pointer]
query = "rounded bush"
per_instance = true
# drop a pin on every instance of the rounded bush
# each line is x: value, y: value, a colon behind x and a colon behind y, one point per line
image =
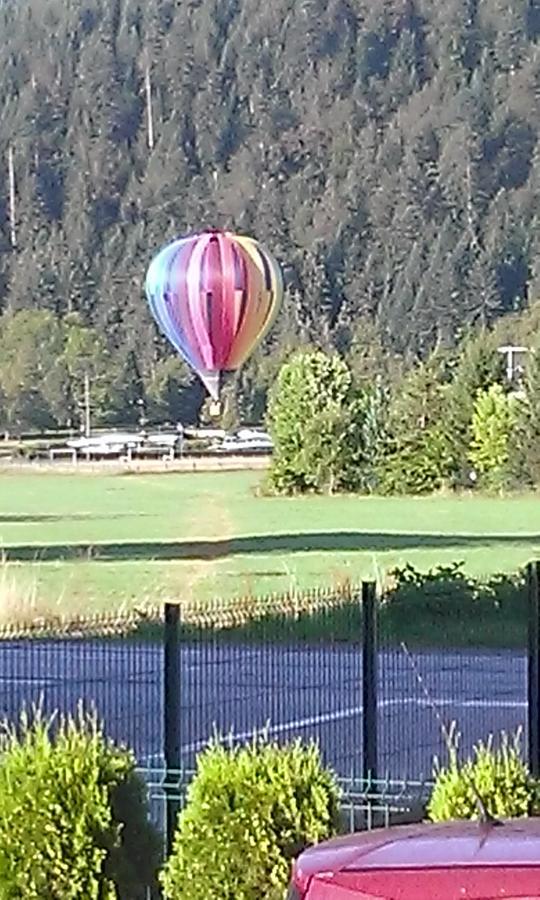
x: 249, y: 812
x: 495, y: 778
x: 73, y: 816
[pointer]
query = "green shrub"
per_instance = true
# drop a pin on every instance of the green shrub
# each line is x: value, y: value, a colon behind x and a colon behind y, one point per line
x: 420, y: 465
x: 73, y: 819
x: 494, y: 419
x: 499, y: 776
x: 249, y: 812
x: 326, y: 431
x: 448, y: 591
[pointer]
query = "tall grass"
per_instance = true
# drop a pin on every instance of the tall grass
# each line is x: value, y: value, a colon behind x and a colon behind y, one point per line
x: 21, y: 601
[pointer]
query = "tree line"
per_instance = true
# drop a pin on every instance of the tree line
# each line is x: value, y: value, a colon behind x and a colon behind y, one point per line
x: 385, y: 150
x: 453, y: 421
x: 52, y: 370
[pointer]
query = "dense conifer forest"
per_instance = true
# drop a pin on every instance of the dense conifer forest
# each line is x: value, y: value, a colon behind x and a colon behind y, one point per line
x: 386, y: 151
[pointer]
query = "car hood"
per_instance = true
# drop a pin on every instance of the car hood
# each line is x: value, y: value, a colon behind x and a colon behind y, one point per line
x: 454, y: 844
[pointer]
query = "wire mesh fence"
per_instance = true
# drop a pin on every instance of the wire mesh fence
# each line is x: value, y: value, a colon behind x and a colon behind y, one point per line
x: 365, y: 803
x: 119, y: 680
x: 286, y: 668
x: 441, y: 684
x: 432, y: 699
x: 330, y: 666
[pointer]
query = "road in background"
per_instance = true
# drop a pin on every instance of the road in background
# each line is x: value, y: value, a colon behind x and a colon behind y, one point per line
x: 310, y: 691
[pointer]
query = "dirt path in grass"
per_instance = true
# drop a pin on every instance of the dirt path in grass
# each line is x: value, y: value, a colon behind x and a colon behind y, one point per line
x: 210, y: 520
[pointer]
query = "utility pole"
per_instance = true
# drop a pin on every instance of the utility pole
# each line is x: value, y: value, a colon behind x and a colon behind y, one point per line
x: 12, y: 198
x: 149, y: 111
x: 86, y: 404
x: 511, y: 352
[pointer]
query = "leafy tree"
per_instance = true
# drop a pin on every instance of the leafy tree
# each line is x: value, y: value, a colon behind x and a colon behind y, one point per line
x: 476, y: 368
x: 494, y: 417
x: 319, y: 426
x: 44, y: 369
x: 87, y: 359
x: 420, y: 465
x: 34, y: 382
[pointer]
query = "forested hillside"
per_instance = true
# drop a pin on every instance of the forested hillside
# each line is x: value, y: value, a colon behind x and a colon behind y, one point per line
x: 386, y: 151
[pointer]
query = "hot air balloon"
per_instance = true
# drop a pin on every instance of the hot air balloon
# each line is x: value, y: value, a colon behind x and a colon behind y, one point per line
x: 214, y: 295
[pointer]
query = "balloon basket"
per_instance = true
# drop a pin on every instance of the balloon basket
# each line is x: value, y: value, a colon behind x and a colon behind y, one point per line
x: 215, y: 409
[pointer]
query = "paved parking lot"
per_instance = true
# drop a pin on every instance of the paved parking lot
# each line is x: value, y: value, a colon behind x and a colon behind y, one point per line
x: 286, y: 691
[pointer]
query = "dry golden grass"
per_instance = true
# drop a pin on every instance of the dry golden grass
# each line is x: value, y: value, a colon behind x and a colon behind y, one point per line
x: 20, y: 600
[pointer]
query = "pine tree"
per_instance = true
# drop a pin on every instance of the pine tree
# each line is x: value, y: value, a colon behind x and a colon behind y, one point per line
x: 525, y: 443
x: 477, y: 367
x: 417, y: 455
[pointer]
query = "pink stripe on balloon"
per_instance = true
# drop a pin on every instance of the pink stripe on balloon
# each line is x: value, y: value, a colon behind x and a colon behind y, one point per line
x: 226, y: 323
x: 196, y: 300
x: 213, y: 291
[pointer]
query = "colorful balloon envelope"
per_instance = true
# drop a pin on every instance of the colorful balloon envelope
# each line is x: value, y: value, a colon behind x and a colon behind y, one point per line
x: 214, y: 295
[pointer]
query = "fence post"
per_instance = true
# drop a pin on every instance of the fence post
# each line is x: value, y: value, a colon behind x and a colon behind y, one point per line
x: 369, y: 681
x: 533, y: 667
x: 171, y: 724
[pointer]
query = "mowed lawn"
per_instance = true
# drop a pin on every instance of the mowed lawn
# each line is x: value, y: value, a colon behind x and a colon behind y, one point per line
x: 92, y: 542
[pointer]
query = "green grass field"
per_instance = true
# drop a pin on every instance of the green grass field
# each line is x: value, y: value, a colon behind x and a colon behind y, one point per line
x: 92, y: 542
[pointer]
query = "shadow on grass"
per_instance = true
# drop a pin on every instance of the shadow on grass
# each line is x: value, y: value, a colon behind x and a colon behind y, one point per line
x: 453, y: 617
x: 485, y: 629
x: 444, y: 608
x: 38, y: 518
x: 332, y: 541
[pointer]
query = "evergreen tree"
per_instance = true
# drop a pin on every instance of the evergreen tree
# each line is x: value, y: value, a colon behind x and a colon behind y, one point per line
x: 417, y: 457
x: 524, y: 449
x: 477, y: 367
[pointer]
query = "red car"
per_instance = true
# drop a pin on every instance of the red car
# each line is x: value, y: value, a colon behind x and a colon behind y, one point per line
x: 453, y: 861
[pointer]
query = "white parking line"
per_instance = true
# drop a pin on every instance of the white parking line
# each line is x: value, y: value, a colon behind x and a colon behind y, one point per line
x: 349, y: 713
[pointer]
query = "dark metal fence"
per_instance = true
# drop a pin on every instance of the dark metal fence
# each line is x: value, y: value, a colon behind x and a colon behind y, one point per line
x: 335, y: 667
x: 93, y: 665
x: 288, y: 668
x: 445, y: 683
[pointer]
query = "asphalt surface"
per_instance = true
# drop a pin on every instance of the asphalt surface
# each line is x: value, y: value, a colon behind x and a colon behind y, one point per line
x: 287, y: 691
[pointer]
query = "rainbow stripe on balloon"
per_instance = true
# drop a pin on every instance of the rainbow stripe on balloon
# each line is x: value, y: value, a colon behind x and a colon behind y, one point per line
x: 214, y: 295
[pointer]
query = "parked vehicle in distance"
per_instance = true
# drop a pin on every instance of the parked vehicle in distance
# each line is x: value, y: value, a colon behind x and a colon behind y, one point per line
x: 246, y: 440
x: 452, y: 861
x: 123, y: 445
